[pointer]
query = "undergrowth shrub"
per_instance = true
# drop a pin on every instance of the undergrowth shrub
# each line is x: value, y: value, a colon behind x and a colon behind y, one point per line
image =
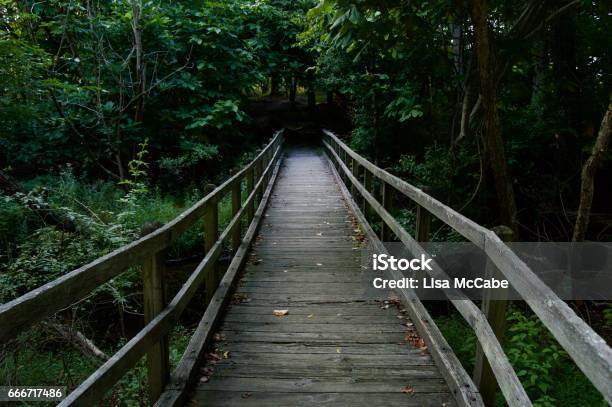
x: 535, y: 355
x: 546, y: 371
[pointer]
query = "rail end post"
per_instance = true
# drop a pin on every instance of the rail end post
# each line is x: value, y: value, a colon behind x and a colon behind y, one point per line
x: 495, y: 311
x: 154, y: 293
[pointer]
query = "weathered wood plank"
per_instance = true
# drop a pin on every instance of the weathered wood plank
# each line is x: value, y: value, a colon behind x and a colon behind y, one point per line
x: 258, y: 326
x: 316, y: 309
x: 266, y: 399
x: 313, y: 319
x: 298, y: 371
x: 323, y: 385
x: 413, y: 358
x: 314, y: 349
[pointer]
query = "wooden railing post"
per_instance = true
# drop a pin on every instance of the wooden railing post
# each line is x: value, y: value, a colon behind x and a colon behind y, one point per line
x: 211, y: 234
x: 258, y: 170
x: 355, y: 171
x: 423, y: 222
x: 265, y: 165
x: 421, y: 234
x: 236, y: 205
x: 154, y: 293
x: 250, y: 177
x: 387, y: 203
x: 367, y: 183
x: 345, y: 157
x: 495, y: 311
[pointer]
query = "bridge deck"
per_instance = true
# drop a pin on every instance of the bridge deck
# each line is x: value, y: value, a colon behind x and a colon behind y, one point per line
x: 339, y: 344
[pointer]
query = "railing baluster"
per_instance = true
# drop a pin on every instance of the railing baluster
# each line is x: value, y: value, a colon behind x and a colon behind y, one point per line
x: 355, y: 170
x: 421, y: 234
x: 258, y: 169
x: 387, y: 203
x: 211, y: 234
x: 367, y: 183
x: 154, y: 293
x: 423, y: 221
x: 236, y: 205
x: 250, y: 177
x: 495, y: 311
x: 345, y: 161
x: 267, y: 176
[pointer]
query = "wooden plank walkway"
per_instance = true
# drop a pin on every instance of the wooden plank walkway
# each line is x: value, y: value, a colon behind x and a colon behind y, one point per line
x: 340, y: 343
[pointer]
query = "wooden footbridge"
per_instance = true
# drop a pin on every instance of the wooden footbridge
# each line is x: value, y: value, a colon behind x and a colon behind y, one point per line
x: 298, y: 220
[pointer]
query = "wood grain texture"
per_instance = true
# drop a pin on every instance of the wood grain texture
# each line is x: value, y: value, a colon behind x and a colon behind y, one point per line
x: 339, y: 338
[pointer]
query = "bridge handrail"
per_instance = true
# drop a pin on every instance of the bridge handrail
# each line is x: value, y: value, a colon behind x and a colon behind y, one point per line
x: 59, y: 294
x: 588, y: 350
x: 501, y: 367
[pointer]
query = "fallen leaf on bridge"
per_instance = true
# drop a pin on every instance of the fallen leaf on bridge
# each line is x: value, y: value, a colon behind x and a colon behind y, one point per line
x: 280, y: 312
x: 408, y: 390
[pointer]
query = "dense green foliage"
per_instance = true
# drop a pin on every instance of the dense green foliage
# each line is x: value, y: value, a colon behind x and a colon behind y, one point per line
x: 72, y: 86
x: 408, y: 71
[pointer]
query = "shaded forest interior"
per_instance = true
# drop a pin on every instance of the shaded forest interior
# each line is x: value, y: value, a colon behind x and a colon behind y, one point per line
x: 117, y: 116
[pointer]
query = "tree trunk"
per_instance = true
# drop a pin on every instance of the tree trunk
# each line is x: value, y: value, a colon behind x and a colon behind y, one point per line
x: 140, y: 68
x: 494, y: 145
x: 588, y: 175
x: 78, y: 340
